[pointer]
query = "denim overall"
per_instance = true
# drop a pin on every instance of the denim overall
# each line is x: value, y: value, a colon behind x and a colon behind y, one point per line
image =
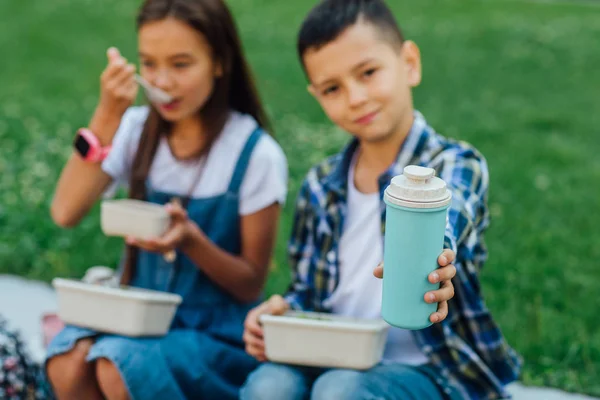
x: 202, y: 356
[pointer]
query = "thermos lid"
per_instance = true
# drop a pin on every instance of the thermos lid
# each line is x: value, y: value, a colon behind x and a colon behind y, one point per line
x: 418, y: 187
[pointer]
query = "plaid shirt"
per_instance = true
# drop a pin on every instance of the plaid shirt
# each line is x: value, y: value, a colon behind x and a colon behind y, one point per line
x: 467, y: 346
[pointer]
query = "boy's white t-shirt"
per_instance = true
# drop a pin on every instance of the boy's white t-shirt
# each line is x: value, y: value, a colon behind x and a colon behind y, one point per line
x: 264, y: 183
x: 358, y: 293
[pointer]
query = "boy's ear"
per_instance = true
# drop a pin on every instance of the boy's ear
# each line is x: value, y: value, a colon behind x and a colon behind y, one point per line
x: 412, y: 59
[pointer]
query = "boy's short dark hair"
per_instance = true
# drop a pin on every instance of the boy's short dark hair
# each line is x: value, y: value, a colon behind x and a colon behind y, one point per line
x: 327, y: 20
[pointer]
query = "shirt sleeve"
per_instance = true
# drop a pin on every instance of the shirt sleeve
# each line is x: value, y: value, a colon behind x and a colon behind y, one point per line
x: 266, y: 178
x: 124, y: 146
x: 300, y: 250
x: 466, y: 174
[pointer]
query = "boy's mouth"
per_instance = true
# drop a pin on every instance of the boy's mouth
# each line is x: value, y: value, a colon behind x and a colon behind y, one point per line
x: 367, y: 118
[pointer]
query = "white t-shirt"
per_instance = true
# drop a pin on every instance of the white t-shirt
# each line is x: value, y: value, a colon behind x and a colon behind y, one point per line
x: 264, y: 183
x: 358, y: 293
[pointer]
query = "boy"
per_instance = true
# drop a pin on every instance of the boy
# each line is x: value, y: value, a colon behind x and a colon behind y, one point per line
x: 362, y: 71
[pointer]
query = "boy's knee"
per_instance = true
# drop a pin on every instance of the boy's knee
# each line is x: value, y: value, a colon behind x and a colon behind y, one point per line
x: 110, y: 381
x: 339, y: 384
x: 67, y: 371
x: 274, y: 382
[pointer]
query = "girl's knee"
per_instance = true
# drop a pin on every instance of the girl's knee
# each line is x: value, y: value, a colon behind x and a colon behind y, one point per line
x: 110, y: 381
x: 68, y: 370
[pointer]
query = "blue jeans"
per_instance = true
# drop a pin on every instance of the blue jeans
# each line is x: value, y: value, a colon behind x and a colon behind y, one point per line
x: 273, y: 381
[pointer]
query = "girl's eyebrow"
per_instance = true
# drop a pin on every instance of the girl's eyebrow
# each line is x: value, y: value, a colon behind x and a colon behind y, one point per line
x: 174, y: 56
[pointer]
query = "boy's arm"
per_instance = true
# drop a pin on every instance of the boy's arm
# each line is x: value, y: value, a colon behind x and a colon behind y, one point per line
x: 300, y: 248
x: 467, y: 177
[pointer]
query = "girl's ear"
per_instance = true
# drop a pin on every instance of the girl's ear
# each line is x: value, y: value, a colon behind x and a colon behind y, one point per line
x: 219, y: 70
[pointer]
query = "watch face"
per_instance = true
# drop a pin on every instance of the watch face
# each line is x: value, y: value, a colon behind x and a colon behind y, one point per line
x: 82, y: 145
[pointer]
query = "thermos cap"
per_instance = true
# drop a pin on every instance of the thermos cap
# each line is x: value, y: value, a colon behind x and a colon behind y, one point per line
x: 418, y: 187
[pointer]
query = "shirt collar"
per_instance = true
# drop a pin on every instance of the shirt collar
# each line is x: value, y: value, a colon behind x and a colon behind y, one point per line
x: 337, y: 179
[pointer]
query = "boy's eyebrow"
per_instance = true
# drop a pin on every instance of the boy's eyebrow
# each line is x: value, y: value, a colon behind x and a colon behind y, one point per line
x: 362, y: 63
x: 356, y: 67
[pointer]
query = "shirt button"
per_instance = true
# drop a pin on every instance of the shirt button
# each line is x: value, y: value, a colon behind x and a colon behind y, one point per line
x: 331, y: 256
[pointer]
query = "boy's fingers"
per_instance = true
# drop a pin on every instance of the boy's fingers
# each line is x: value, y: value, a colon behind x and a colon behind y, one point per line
x: 254, y: 352
x: 252, y: 323
x: 253, y: 341
x: 277, y: 305
x: 443, y: 274
x: 378, y: 271
x: 253, y: 327
x: 445, y: 293
x: 258, y: 354
x: 441, y: 313
x: 446, y: 257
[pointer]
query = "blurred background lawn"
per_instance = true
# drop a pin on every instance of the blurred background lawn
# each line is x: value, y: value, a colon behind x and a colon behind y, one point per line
x: 518, y: 79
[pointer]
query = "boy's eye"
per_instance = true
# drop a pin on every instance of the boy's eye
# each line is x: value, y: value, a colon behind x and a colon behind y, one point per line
x: 148, y: 64
x: 181, y: 65
x: 330, y: 90
x: 370, y: 72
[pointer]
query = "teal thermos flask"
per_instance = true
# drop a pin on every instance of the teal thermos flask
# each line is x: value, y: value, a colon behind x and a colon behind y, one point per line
x: 416, y: 213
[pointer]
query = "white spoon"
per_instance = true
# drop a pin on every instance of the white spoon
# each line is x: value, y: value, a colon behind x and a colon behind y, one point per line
x: 154, y: 94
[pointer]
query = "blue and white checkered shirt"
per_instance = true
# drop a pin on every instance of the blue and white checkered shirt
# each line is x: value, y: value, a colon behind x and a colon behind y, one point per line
x: 467, y: 346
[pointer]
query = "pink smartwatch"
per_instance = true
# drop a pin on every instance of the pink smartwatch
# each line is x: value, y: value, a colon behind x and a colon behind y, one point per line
x: 88, y: 146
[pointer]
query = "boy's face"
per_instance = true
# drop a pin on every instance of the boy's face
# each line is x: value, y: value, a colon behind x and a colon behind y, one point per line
x: 363, y: 82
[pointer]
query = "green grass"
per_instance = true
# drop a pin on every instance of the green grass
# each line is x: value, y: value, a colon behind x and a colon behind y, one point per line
x: 517, y: 79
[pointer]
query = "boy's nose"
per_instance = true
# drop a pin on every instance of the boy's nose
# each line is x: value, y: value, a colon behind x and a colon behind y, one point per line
x: 357, y: 95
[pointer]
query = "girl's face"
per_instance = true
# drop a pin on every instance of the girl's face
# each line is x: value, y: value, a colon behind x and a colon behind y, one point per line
x: 177, y: 59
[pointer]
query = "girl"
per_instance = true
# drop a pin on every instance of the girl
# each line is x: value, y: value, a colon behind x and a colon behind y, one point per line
x: 205, y: 156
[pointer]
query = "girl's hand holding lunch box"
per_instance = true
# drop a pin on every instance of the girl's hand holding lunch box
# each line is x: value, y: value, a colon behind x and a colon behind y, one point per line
x: 181, y: 234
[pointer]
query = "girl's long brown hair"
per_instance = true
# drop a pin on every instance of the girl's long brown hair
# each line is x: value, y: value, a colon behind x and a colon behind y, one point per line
x: 235, y: 90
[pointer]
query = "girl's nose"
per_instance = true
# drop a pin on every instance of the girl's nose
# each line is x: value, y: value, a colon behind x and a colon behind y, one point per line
x: 163, y: 80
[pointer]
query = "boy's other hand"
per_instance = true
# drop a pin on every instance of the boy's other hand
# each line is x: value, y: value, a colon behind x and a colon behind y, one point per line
x: 443, y: 276
x: 253, y: 332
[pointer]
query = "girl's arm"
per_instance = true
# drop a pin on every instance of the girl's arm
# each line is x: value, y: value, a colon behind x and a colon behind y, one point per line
x: 81, y: 183
x: 242, y: 276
